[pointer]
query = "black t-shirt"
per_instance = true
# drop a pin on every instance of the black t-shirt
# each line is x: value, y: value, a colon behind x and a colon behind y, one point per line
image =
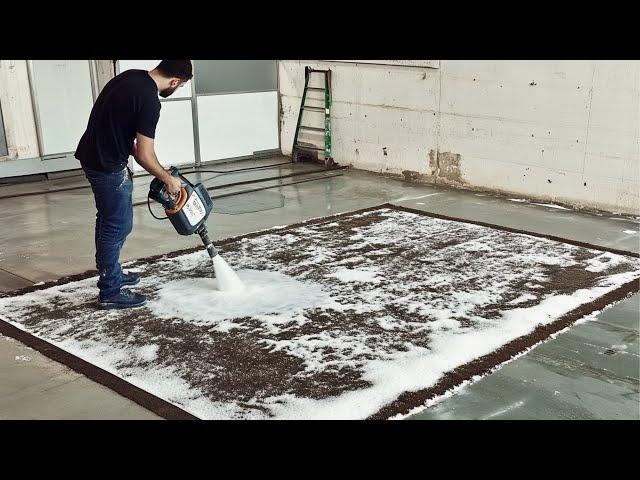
x: 128, y: 104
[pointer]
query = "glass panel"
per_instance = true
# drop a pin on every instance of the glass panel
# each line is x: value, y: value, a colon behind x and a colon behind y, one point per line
x: 232, y: 76
x: 182, y: 92
x: 237, y: 125
x: 64, y: 99
x: 3, y: 139
x: 174, y: 135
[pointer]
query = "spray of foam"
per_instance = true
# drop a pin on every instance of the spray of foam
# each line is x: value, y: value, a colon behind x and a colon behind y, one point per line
x: 228, y: 280
x: 269, y: 296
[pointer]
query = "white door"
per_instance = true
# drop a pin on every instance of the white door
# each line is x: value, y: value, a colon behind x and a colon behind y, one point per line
x: 63, y: 98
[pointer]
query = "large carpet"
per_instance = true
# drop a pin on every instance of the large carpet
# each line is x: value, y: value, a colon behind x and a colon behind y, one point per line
x: 367, y: 314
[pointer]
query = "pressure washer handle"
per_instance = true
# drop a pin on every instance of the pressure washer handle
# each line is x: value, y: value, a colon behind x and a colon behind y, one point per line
x: 176, y: 173
x: 158, y: 192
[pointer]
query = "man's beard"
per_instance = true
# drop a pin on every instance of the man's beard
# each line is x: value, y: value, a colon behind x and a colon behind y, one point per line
x: 168, y: 91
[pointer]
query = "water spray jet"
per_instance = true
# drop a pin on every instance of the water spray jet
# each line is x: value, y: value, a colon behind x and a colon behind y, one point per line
x: 188, y: 214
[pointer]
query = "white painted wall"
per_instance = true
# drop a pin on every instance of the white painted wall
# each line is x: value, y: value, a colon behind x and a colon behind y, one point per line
x: 564, y: 131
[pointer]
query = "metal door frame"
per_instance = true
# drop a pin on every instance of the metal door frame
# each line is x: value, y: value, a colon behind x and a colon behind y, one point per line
x: 194, y: 109
x: 194, y: 114
x: 3, y: 134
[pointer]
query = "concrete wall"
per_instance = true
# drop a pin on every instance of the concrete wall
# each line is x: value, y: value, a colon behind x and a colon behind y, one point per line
x: 563, y: 131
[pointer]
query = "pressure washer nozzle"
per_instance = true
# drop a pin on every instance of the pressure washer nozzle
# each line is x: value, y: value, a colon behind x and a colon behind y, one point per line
x: 211, y: 250
x: 204, y: 235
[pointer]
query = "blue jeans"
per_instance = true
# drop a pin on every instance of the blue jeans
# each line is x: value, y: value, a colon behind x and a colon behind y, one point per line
x: 114, y: 221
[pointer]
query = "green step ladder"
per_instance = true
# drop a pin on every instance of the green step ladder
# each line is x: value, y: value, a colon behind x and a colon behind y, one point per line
x: 303, y: 150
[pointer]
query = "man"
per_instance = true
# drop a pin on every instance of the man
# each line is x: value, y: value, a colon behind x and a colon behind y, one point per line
x: 122, y: 123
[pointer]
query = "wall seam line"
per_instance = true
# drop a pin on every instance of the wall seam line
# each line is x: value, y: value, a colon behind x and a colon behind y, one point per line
x: 586, y: 140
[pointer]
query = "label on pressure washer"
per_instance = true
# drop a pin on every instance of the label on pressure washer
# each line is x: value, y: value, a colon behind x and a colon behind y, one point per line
x: 194, y: 209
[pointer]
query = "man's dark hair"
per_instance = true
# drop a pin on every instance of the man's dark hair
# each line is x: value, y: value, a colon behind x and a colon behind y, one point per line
x: 181, y: 69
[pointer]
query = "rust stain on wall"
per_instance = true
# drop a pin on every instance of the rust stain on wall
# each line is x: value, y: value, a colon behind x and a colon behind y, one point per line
x: 445, y: 167
x: 433, y: 161
x: 449, y: 166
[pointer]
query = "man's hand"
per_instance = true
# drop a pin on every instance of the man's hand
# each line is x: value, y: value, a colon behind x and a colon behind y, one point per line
x: 145, y: 155
x: 172, y: 185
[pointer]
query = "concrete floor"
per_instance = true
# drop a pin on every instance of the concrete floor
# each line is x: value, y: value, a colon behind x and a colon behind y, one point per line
x: 591, y: 371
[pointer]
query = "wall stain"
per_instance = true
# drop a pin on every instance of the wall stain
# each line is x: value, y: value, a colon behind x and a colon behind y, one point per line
x: 449, y: 166
x: 444, y: 167
x: 411, y: 175
x: 433, y: 161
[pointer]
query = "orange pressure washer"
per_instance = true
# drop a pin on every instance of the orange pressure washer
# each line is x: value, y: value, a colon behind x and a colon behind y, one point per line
x: 187, y: 213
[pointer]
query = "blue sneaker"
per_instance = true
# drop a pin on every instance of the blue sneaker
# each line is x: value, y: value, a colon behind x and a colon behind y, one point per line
x: 124, y: 299
x: 130, y: 279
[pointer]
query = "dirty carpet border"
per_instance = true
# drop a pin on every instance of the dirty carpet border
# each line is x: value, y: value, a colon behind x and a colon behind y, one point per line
x: 403, y: 404
x: 155, y: 404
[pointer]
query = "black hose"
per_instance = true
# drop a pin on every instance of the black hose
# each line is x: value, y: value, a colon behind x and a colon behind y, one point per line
x: 266, y: 179
x: 137, y: 204
x: 275, y: 186
x: 149, y: 207
x: 241, y: 169
x: 223, y: 172
x: 67, y: 189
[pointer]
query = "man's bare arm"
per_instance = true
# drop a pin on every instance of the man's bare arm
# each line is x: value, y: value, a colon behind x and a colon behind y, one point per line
x: 145, y: 155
